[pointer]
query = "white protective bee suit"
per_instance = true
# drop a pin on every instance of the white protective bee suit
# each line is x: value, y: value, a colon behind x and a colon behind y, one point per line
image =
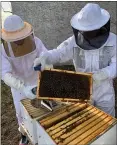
x: 100, y: 61
x: 17, y: 71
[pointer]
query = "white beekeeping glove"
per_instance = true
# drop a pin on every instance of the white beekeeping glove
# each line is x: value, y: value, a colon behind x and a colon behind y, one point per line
x: 44, y: 61
x: 28, y: 91
x: 17, y: 84
x: 100, y: 76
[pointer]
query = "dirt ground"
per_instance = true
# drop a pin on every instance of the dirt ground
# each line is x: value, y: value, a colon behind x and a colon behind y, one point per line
x: 9, y: 132
x: 9, y: 127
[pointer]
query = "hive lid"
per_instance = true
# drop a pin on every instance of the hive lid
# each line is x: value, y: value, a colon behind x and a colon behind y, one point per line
x: 64, y: 85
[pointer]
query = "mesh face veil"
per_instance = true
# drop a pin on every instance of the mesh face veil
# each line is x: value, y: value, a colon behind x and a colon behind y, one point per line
x: 20, y: 47
x: 90, y: 40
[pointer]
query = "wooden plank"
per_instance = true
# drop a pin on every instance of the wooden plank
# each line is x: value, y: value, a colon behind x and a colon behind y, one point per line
x: 63, y: 99
x: 41, y: 112
x: 29, y: 106
x: 64, y: 136
x: 64, y: 115
x: 83, y: 125
x: 67, y: 120
x: 38, y: 86
x: 69, y: 131
x: 49, y: 123
x: 89, y: 129
x: 73, y: 72
x: 96, y: 133
x: 32, y: 110
x: 25, y: 100
x: 34, y: 114
x: 37, y: 113
x: 60, y: 111
x: 91, y: 88
x: 57, y: 112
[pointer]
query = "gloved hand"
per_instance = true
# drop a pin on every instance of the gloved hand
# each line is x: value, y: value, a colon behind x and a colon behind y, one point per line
x: 99, y: 76
x: 44, y: 60
x: 27, y: 90
x: 18, y: 84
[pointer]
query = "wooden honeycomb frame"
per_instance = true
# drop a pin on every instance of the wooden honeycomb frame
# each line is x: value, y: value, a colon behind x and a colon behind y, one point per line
x: 77, y: 124
x: 75, y: 74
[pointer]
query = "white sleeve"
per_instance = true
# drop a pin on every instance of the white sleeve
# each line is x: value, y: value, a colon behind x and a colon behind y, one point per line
x: 12, y: 81
x: 63, y: 53
x: 112, y: 68
x: 6, y: 65
x: 7, y: 76
x: 43, y: 48
x: 40, y: 46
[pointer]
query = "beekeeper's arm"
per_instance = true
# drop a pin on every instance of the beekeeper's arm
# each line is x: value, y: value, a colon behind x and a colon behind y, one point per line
x: 41, y: 48
x: 12, y: 81
x: 63, y: 53
x: 109, y: 72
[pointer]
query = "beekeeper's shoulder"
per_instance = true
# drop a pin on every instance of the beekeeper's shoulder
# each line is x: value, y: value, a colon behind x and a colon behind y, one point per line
x: 112, y: 40
x: 70, y: 41
x: 3, y: 50
x: 38, y: 41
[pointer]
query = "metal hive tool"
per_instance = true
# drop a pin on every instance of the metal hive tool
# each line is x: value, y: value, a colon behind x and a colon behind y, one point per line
x: 77, y: 124
x: 64, y: 85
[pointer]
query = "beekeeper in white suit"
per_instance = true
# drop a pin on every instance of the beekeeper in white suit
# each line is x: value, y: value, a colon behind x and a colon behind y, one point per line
x: 92, y: 49
x: 19, y: 50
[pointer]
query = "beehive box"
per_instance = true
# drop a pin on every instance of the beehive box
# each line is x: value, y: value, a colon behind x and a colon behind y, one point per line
x: 77, y: 124
x: 64, y: 85
x: 30, y: 114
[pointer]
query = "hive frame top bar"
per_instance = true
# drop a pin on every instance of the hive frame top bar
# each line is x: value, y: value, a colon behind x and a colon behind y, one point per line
x: 56, y: 125
x: 60, y: 98
x: 73, y: 72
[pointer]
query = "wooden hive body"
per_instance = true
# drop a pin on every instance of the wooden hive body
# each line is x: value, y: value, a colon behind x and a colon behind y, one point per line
x: 30, y: 114
x: 78, y: 124
x: 74, y: 123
